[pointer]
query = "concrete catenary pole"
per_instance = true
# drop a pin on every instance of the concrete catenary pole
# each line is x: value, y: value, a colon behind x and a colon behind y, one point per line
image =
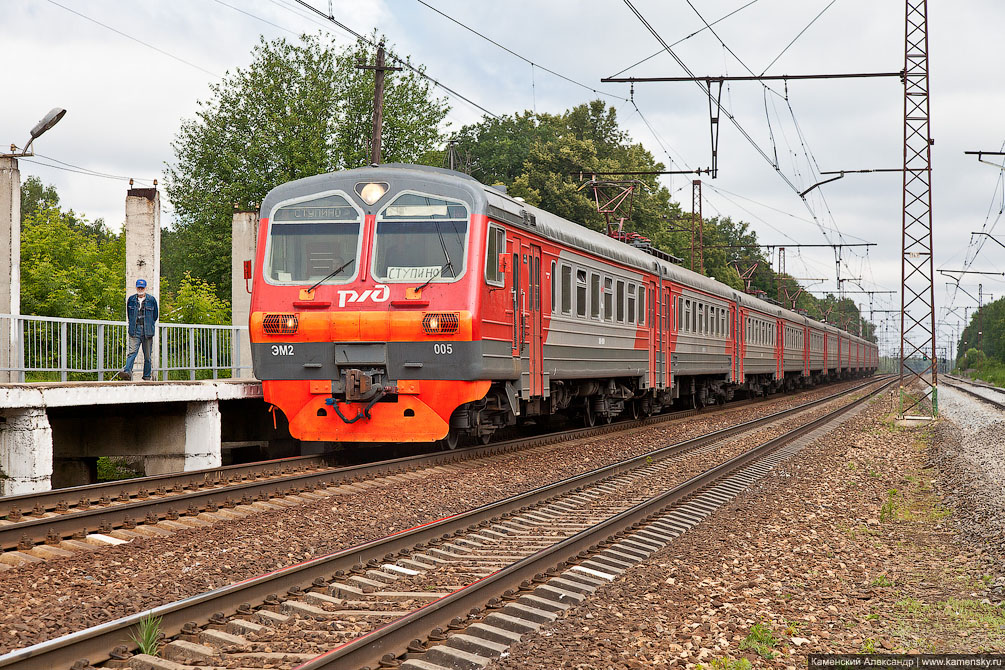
x: 10, y: 266
x: 244, y: 235
x: 143, y: 250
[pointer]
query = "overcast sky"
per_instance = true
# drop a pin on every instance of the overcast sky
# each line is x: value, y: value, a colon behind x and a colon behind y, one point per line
x: 126, y: 100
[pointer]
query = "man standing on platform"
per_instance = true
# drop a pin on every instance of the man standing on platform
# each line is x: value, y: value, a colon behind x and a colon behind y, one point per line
x: 142, y: 313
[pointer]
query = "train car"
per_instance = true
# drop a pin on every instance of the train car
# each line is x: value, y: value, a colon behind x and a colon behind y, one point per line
x: 405, y: 303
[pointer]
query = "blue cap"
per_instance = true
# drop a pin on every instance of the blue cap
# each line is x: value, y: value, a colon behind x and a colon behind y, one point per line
x: 141, y: 283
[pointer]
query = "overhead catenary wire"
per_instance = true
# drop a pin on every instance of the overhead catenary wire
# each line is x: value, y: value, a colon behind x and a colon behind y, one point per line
x: 136, y: 39
x: 707, y: 92
x: 686, y: 37
x: 800, y: 34
x: 69, y: 167
x: 532, y: 63
x: 397, y: 59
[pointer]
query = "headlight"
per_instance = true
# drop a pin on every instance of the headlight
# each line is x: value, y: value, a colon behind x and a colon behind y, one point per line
x: 280, y: 324
x: 371, y: 192
x: 440, y: 323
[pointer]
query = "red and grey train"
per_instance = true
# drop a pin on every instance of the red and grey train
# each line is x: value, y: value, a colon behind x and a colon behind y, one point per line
x: 403, y: 303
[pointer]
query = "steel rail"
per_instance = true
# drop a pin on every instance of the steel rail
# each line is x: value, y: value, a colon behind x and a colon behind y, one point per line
x: 96, y: 642
x: 392, y: 638
x: 74, y: 495
x: 112, y: 492
x: 51, y: 529
x: 975, y: 394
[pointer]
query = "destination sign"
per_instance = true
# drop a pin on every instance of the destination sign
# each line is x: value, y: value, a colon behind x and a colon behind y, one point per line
x: 295, y: 213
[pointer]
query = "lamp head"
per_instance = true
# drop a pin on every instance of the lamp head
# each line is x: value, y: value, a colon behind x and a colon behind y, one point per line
x: 48, y: 121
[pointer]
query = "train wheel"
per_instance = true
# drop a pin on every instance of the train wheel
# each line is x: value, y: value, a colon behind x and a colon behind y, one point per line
x: 633, y: 409
x: 589, y: 418
x: 485, y: 438
x: 450, y: 442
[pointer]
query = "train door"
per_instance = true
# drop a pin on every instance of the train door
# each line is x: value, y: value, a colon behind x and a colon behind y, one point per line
x: 739, y: 336
x: 779, y: 349
x: 533, y: 308
x: 656, y: 336
x: 665, y: 326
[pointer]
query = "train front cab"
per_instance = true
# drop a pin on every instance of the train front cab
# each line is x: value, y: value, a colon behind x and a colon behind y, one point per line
x: 365, y: 291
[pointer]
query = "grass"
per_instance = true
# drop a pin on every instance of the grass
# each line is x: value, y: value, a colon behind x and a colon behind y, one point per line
x: 148, y: 635
x: 760, y: 640
x: 726, y: 663
x: 888, y: 511
x: 882, y: 580
x: 992, y: 371
x: 111, y: 469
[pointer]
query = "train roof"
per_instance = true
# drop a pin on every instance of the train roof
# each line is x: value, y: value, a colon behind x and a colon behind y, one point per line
x: 501, y: 206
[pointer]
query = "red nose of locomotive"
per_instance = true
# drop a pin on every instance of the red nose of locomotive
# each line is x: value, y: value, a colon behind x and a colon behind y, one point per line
x: 362, y: 326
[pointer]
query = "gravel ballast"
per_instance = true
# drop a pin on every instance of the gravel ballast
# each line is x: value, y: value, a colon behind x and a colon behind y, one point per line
x: 44, y: 600
x: 845, y: 548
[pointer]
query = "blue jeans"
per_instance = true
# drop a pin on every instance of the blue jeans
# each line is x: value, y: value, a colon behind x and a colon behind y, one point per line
x: 134, y: 347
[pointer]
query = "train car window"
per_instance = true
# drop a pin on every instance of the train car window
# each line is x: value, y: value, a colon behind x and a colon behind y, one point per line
x: 581, y: 293
x: 535, y: 289
x: 608, y: 299
x: 566, y: 289
x: 680, y: 313
x: 554, y: 288
x: 620, y: 301
x: 642, y: 306
x: 594, y: 296
x: 687, y: 315
x: 420, y: 237
x: 631, y: 303
x: 495, y: 245
x: 701, y: 319
x: 310, y: 239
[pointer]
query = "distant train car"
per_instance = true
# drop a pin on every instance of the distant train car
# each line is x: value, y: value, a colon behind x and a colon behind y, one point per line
x: 403, y: 303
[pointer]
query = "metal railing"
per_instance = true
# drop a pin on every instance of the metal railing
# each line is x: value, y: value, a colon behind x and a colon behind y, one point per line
x: 43, y: 348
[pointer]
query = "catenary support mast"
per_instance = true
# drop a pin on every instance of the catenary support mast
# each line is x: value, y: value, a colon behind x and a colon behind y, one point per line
x: 917, y: 320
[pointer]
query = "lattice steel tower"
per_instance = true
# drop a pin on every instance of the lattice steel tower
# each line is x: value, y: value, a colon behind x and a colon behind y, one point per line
x: 917, y: 297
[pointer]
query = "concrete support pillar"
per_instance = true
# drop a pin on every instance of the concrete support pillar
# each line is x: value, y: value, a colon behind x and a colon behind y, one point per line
x: 10, y: 266
x: 25, y: 451
x: 195, y: 446
x: 243, y: 240
x: 143, y: 249
x: 202, y: 435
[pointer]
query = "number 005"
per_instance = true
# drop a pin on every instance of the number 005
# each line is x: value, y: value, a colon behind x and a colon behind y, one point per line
x: 443, y: 348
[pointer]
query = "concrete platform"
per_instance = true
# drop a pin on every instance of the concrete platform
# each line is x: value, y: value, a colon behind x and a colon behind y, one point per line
x: 74, y: 394
x: 51, y: 434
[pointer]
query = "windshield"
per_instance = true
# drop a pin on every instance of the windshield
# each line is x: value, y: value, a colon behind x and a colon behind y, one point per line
x: 311, y: 239
x: 420, y: 238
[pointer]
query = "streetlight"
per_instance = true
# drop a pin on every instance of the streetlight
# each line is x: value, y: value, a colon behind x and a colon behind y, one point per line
x: 48, y: 121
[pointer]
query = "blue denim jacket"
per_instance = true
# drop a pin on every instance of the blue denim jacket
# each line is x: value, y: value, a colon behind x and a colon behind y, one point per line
x: 150, y: 314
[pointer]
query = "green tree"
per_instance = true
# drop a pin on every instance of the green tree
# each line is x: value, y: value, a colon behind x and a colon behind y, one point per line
x: 973, y: 359
x: 195, y: 301
x: 299, y: 109
x: 65, y: 270
x: 34, y: 194
x: 540, y: 157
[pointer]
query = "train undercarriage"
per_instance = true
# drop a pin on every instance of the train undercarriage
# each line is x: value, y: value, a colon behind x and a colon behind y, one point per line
x: 590, y: 402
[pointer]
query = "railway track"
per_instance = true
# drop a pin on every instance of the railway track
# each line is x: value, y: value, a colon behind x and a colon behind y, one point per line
x: 487, y: 575
x: 61, y: 520
x: 960, y: 384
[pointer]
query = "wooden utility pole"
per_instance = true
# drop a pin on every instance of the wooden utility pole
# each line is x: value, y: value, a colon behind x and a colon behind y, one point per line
x: 378, y: 100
